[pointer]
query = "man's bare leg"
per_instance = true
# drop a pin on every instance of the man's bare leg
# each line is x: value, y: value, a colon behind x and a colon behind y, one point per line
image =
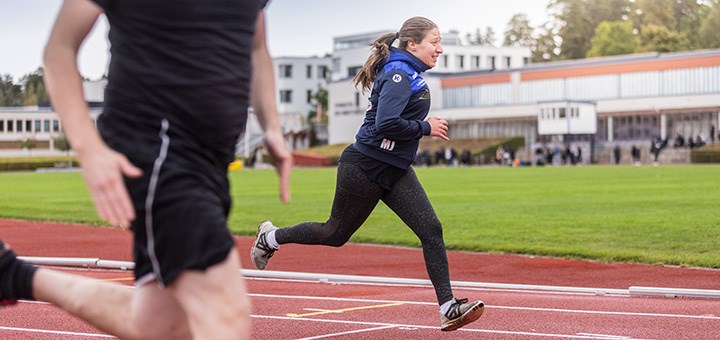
x: 144, y: 313
x: 215, y: 300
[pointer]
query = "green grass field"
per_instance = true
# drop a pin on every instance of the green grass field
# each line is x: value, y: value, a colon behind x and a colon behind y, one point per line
x: 664, y: 215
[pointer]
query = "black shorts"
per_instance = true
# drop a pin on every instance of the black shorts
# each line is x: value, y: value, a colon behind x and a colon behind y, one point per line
x: 181, y: 201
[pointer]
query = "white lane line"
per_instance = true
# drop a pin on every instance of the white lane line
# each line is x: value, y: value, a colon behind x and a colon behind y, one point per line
x: 47, y: 331
x: 608, y: 336
x: 557, y: 310
x: 313, y: 281
x: 348, y: 332
x: 435, y: 328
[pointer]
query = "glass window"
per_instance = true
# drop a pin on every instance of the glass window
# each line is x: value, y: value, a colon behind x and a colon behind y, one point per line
x: 37, y: 125
x: 461, y: 62
x: 286, y: 96
x: 475, y: 60
x: 352, y: 71
x: 19, y: 125
x: 46, y: 125
x: 308, y: 71
x: 491, y: 62
x: 10, y: 126
x: 309, y: 96
x: 285, y: 71
x: 56, y: 125
x: 2, y: 126
x: 322, y: 72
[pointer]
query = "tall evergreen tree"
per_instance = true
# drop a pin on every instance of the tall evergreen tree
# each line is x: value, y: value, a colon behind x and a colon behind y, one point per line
x: 519, y: 32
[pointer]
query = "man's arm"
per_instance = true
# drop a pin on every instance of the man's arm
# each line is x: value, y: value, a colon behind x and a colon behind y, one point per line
x: 263, y: 101
x: 103, y: 168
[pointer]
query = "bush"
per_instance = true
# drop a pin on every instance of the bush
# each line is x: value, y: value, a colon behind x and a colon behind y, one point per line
x: 32, y: 164
x: 706, y: 154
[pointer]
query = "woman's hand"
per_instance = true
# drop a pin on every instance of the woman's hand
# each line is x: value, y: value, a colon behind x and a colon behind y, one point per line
x: 438, y: 127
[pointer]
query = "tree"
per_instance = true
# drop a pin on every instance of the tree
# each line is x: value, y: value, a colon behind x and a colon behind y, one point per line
x: 318, y: 115
x: 10, y: 94
x: 576, y: 21
x: 29, y: 144
x: 680, y: 18
x: 34, y: 89
x: 63, y: 144
x: 545, y: 47
x: 519, y: 32
x: 708, y: 36
x: 613, y: 38
x: 478, y: 38
x: 656, y: 38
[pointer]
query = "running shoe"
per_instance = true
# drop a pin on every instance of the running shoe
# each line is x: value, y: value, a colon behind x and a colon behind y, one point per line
x: 6, y: 256
x: 261, y: 252
x: 460, y: 314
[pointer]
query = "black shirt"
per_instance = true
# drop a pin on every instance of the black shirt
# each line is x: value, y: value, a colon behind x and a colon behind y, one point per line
x: 185, y: 60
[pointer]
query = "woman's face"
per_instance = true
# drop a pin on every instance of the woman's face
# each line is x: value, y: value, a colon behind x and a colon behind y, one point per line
x: 428, y: 49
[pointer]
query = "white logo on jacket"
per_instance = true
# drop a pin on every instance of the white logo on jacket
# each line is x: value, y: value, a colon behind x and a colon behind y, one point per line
x: 397, y: 78
x: 387, y: 144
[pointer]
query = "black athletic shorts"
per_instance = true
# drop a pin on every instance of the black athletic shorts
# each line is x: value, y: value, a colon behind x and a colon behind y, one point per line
x: 182, y: 199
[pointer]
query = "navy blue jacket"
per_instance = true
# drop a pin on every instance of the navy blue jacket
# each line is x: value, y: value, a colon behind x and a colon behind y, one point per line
x: 399, y: 103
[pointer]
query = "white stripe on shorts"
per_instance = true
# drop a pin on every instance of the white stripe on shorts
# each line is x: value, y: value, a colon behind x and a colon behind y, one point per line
x: 151, y: 197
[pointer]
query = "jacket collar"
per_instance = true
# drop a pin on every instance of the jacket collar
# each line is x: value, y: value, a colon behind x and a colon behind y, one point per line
x: 398, y: 54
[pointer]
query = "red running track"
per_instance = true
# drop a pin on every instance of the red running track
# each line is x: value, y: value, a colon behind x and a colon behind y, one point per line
x: 294, y: 309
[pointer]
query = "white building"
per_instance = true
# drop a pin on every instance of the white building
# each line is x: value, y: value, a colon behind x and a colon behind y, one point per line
x: 297, y: 80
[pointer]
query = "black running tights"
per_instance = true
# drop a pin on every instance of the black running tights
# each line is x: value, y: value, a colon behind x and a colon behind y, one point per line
x: 355, y: 198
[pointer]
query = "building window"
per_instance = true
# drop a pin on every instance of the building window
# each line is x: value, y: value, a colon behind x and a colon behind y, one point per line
x: 445, y: 60
x: 308, y: 71
x: 56, y: 125
x: 461, y: 62
x: 37, y: 125
x: 46, y: 125
x: 507, y: 62
x: 309, y: 96
x: 475, y: 60
x: 352, y: 71
x: 491, y: 62
x: 322, y: 72
x: 18, y: 125
x: 10, y: 125
x: 526, y: 60
x: 285, y: 71
x: 2, y: 126
x: 286, y: 96
x: 28, y: 126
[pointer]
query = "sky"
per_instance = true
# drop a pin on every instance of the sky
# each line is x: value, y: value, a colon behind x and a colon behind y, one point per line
x: 298, y: 28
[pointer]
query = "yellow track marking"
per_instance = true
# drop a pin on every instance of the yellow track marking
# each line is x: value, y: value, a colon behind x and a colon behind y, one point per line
x: 120, y: 279
x: 293, y: 315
